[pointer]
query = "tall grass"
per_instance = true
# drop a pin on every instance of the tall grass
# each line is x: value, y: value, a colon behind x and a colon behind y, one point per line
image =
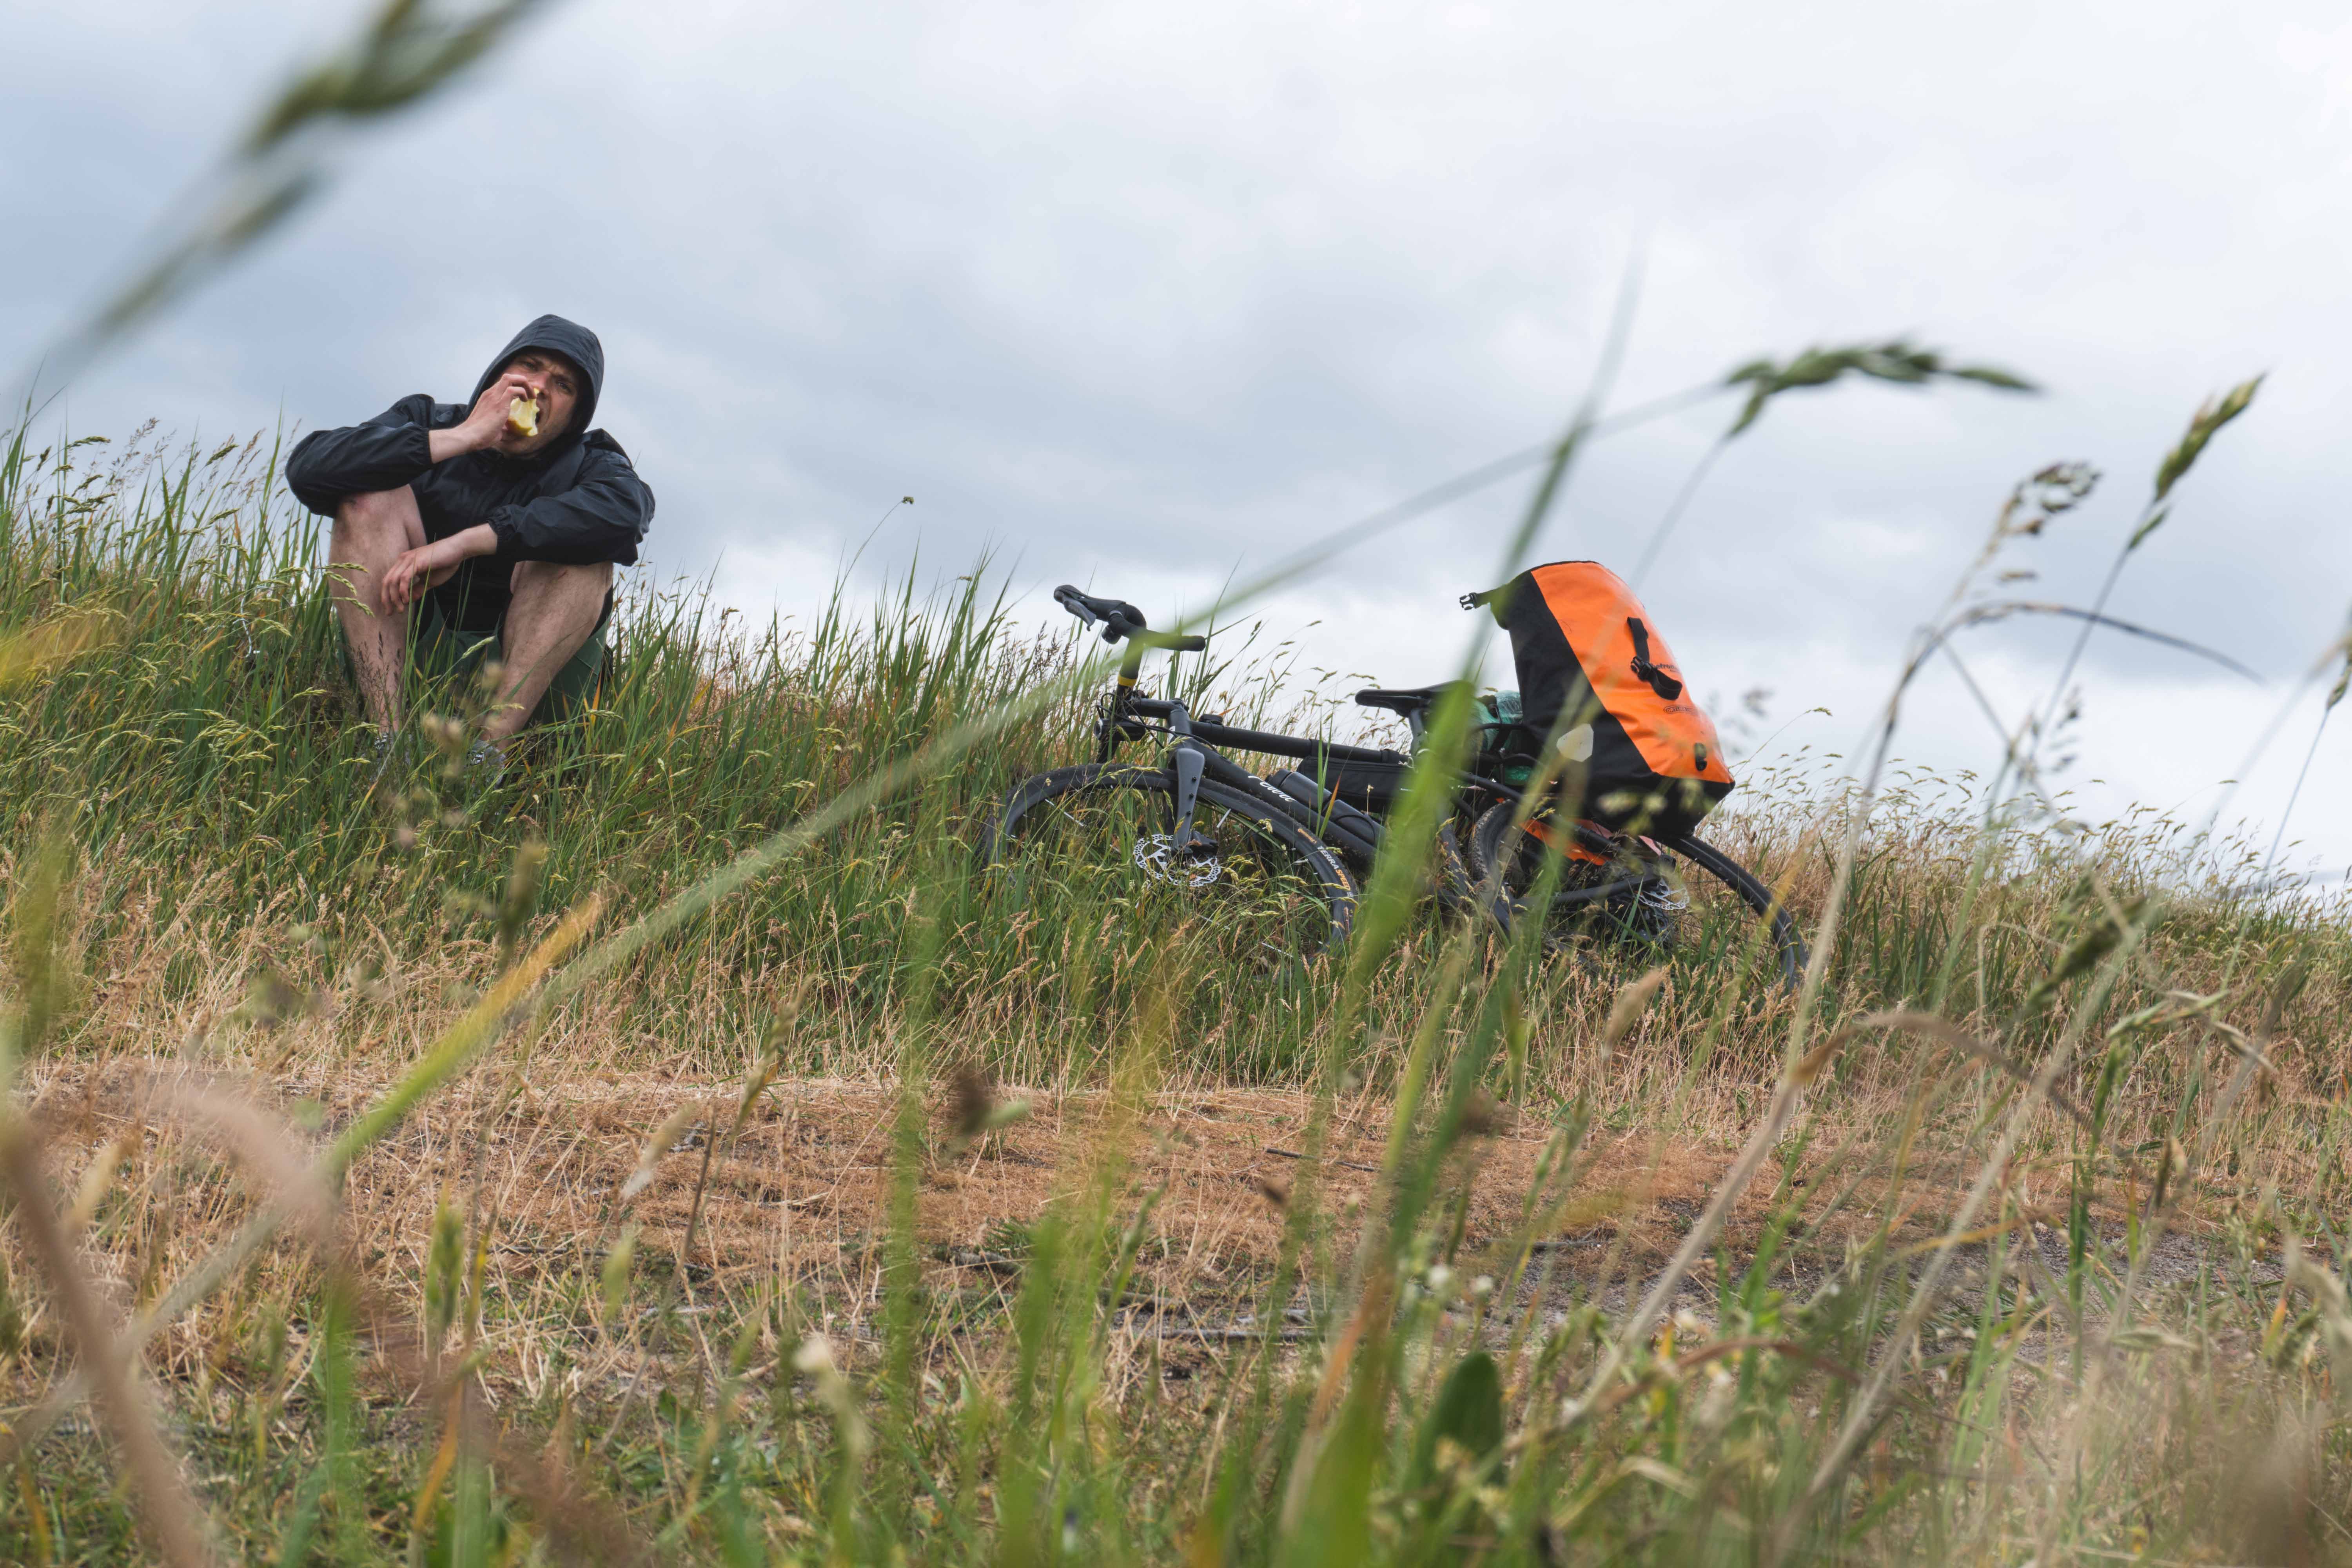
x: 398, y: 1191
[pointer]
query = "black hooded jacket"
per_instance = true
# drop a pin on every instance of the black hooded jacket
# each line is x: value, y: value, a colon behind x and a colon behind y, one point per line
x: 577, y: 502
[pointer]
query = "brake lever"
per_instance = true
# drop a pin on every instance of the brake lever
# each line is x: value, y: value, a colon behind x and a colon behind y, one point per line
x: 1070, y: 599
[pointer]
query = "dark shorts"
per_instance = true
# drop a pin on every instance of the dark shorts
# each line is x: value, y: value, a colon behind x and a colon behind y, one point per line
x: 440, y: 651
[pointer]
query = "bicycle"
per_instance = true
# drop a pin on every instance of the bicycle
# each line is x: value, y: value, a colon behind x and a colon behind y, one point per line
x: 1278, y: 860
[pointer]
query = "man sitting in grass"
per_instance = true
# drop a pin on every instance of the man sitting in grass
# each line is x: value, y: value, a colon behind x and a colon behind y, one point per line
x: 485, y: 538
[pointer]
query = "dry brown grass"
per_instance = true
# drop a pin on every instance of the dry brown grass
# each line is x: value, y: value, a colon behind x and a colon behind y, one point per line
x: 795, y: 1199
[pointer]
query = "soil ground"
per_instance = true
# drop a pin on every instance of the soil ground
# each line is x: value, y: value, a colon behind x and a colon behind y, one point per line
x: 796, y: 1192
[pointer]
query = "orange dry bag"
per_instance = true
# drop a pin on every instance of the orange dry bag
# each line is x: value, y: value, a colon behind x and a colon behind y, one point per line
x: 1597, y: 684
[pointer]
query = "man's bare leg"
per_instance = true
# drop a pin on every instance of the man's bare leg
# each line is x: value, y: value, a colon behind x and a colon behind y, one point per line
x: 371, y: 531
x: 553, y: 610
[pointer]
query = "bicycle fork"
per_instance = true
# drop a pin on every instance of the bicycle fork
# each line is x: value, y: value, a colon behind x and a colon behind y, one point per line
x: 1188, y: 763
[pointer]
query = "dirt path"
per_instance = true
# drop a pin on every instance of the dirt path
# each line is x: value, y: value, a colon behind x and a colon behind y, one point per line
x: 797, y: 1194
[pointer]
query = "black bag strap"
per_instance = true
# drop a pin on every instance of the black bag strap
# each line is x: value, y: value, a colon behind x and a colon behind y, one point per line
x: 1664, y: 685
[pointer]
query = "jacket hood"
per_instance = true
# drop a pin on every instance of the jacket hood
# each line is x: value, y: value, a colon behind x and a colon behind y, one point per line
x: 574, y: 342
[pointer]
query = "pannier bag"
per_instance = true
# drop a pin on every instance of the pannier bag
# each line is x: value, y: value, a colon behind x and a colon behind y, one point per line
x: 1598, y: 680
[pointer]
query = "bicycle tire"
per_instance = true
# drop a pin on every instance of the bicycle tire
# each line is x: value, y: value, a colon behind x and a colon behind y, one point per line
x: 1788, y: 942
x: 1294, y: 869
x: 1503, y: 859
x: 1489, y: 864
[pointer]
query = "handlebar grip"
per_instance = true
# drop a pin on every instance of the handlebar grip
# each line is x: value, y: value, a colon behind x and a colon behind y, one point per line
x: 1119, y: 619
x: 1116, y: 617
x: 1166, y: 642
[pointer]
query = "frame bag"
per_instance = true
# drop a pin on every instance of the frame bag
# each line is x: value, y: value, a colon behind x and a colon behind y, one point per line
x: 1597, y: 683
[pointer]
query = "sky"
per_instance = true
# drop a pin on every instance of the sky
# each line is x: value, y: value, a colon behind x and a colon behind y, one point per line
x: 1146, y: 297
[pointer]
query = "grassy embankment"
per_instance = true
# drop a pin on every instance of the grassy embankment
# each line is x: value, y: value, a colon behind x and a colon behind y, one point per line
x: 698, y: 1231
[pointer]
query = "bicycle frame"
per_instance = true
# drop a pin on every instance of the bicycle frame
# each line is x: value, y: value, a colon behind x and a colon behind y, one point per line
x: 1317, y: 808
x: 1193, y: 755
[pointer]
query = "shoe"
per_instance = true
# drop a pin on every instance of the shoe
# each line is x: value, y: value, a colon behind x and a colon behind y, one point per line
x: 383, y: 751
x: 486, y: 764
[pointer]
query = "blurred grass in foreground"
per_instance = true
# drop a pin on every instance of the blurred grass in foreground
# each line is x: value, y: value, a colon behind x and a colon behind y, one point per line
x: 227, y: 940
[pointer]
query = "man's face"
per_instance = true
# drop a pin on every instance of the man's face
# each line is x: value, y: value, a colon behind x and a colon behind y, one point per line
x: 557, y: 382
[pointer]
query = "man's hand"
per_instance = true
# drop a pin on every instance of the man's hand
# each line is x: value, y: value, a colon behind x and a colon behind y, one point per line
x: 431, y: 564
x: 484, y: 430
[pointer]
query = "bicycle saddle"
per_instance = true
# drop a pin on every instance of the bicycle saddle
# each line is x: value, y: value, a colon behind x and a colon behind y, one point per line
x: 1403, y: 700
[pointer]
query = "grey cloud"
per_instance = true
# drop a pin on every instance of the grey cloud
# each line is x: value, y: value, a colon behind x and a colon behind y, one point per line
x: 1140, y: 294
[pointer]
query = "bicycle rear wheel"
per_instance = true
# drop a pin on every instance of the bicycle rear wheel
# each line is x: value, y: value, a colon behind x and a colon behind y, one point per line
x: 1610, y: 888
x: 1627, y: 889
x: 1258, y: 881
x: 1785, y: 942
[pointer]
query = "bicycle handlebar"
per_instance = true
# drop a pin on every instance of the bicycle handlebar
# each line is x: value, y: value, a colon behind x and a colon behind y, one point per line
x: 1119, y: 619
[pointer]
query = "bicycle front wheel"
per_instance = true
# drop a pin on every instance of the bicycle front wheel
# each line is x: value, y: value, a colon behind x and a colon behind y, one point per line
x: 1105, y: 834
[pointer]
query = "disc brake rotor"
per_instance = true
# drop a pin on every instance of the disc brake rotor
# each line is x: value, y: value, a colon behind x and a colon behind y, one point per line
x: 1156, y: 857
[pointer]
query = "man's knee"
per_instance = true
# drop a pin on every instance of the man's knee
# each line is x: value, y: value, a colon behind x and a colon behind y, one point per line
x: 377, y: 515
x: 554, y: 579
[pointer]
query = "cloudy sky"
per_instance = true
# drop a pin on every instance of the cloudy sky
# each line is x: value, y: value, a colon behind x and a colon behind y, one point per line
x: 1146, y: 296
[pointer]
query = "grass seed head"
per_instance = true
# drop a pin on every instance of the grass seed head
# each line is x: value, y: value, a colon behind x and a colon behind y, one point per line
x: 613, y: 1279
x: 665, y: 1138
x: 969, y: 1101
